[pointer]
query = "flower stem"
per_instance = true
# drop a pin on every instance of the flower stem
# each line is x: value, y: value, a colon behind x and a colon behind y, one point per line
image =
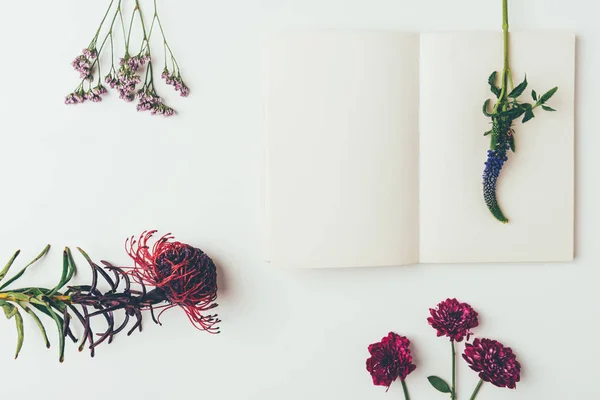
x: 477, y: 389
x: 453, y: 393
x: 506, y: 69
x: 130, y: 27
x: 405, y: 389
x: 20, y: 297
x: 102, y: 23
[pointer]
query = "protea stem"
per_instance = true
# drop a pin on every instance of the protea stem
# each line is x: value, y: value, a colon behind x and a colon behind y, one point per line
x: 453, y: 393
x: 19, y: 297
x: 405, y: 390
x: 477, y: 389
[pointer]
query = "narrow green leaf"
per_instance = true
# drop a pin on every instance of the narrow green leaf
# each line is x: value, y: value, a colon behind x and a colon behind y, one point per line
x: 548, y: 95
x: 528, y: 115
x: 488, y: 132
x: 72, y: 267
x: 511, y: 142
x: 40, y: 305
x: 20, y: 332
x: 534, y: 95
x: 63, y: 277
x: 485, y: 107
x: 9, y: 310
x: 516, y: 92
x: 492, y: 82
x: 548, y: 108
x: 17, y: 276
x: 9, y: 264
x: 37, y: 321
x: 45, y: 308
x: 439, y: 384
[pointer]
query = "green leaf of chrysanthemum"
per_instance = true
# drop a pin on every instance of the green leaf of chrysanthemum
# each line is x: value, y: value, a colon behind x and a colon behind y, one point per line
x: 548, y: 108
x: 534, y: 95
x: 439, y: 384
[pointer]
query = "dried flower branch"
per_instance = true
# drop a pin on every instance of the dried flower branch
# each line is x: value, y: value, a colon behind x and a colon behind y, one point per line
x: 186, y: 277
x: 126, y: 79
x: 506, y: 110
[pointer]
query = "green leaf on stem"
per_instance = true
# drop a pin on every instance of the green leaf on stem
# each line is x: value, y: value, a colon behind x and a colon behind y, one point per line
x: 485, y: 108
x: 65, y: 273
x: 516, y: 92
x: 534, y: 95
x: 18, y: 275
x: 528, y: 115
x: 548, y: 95
x: 439, y: 384
x: 9, y: 264
x: 492, y: 81
x: 46, y: 309
x: 37, y: 321
x: 11, y: 311
x: 546, y: 108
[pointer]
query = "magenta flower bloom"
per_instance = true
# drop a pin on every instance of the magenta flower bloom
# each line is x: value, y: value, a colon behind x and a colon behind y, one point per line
x: 495, y: 363
x: 453, y: 319
x: 390, y: 359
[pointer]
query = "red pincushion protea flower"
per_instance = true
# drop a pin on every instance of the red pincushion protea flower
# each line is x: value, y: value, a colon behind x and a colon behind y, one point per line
x: 495, y: 363
x: 390, y: 359
x: 184, y: 274
x: 453, y: 319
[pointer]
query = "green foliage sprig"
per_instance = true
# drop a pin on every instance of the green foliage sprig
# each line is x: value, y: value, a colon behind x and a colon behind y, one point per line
x: 506, y: 110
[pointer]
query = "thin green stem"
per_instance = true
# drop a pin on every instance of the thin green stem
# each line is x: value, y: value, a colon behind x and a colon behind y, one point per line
x: 21, y: 297
x: 506, y: 69
x: 405, y: 390
x: 112, y: 53
x: 123, y: 25
x: 476, y: 389
x: 103, y: 19
x: 453, y: 394
x: 162, y: 32
x: 130, y: 27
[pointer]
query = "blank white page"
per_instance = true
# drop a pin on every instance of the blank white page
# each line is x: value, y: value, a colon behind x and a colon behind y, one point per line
x: 342, y: 127
x: 536, y: 186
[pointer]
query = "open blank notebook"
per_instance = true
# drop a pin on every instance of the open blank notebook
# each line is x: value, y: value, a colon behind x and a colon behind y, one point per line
x: 376, y: 150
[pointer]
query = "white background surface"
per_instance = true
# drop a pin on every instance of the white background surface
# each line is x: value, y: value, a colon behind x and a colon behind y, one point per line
x: 92, y: 175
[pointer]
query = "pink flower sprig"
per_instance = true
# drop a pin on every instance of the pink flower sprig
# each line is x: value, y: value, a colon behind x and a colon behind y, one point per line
x: 126, y: 78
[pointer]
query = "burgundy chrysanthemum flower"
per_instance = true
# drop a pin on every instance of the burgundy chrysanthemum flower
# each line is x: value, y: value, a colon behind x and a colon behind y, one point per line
x: 390, y: 359
x: 453, y: 319
x: 184, y: 274
x: 495, y: 363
